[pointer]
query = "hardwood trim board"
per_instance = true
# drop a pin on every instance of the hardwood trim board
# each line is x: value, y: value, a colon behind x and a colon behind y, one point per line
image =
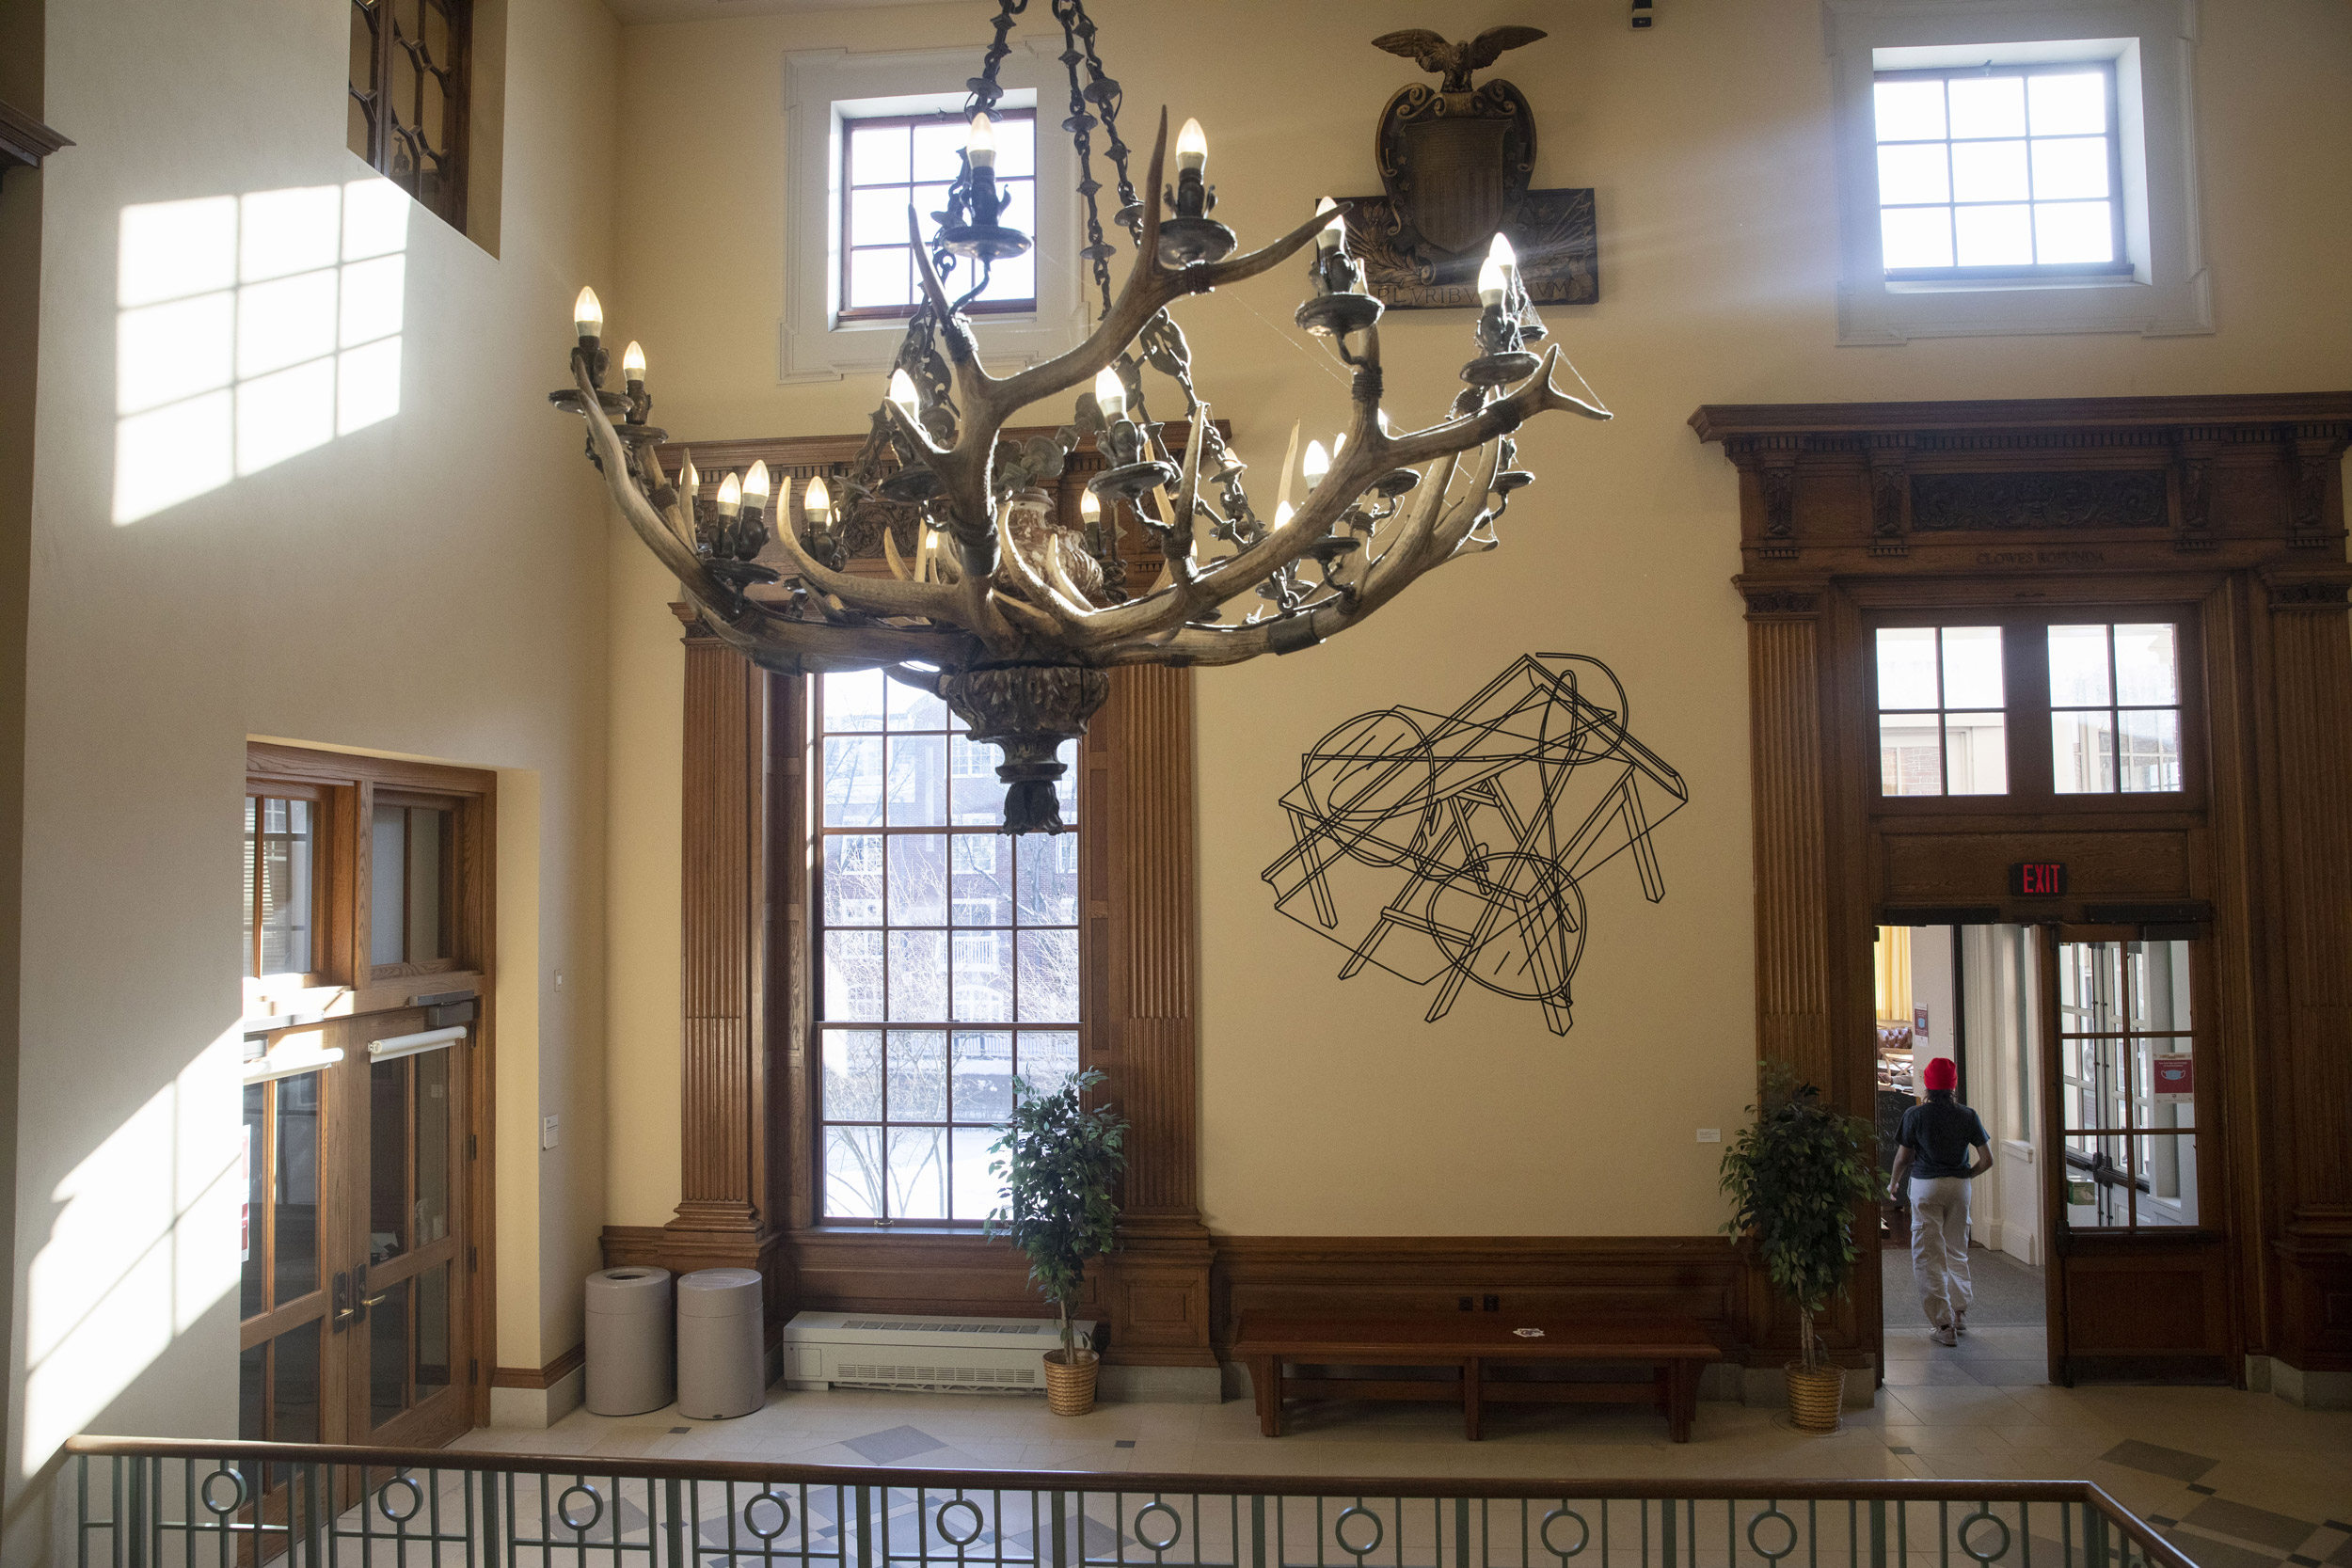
x: 548, y: 1376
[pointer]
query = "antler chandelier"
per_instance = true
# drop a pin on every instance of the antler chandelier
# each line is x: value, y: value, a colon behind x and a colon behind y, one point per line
x: 1009, y: 613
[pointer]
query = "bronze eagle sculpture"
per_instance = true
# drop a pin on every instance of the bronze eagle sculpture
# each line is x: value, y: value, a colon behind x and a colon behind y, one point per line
x: 1431, y: 52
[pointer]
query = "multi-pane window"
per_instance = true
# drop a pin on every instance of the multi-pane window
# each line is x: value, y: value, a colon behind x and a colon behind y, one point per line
x: 947, y: 953
x: 1942, y: 728
x: 407, y: 102
x: 889, y: 165
x: 1998, y: 171
x: 2126, y: 1080
x: 281, y: 865
x: 2115, y: 709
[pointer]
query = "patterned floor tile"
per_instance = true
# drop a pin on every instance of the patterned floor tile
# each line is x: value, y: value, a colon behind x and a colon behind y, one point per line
x: 2160, y: 1461
x: 895, y: 1446
x: 2258, y: 1525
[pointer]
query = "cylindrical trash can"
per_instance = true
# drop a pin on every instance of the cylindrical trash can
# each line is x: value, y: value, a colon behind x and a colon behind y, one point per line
x: 629, y: 1366
x: 720, y: 1367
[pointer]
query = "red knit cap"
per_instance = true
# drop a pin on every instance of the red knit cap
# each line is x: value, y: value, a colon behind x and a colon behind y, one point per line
x: 1943, y: 1073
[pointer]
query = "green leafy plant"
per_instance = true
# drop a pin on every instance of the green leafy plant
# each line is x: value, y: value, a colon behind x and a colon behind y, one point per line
x: 1060, y: 1163
x: 1796, y: 1173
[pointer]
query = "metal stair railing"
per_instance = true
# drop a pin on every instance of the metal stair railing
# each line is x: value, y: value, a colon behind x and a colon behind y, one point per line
x: 192, y: 1503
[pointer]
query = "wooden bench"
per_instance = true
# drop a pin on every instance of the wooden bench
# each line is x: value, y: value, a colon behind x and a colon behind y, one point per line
x: 1470, y: 1346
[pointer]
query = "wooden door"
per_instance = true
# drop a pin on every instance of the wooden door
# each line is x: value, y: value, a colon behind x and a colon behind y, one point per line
x: 2136, y: 1277
x: 367, y: 926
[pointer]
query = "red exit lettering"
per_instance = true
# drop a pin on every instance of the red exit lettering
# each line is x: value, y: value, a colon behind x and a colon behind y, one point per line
x: 2038, y: 878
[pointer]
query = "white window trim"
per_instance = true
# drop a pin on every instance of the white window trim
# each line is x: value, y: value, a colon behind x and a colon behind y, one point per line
x: 2153, y: 43
x: 812, y: 344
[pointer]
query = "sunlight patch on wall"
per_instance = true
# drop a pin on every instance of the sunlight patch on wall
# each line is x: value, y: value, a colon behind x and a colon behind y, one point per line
x: 143, y: 1244
x: 251, y: 328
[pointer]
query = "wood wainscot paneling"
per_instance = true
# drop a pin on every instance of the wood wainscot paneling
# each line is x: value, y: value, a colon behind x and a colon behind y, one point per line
x: 548, y: 1376
x: 2222, y: 515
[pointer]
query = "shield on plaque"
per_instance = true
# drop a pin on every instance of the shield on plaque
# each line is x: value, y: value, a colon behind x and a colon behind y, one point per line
x: 1456, y: 165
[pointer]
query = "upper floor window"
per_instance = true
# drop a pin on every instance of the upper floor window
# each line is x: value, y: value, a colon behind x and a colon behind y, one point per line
x: 2007, y: 172
x: 947, y: 954
x: 407, y: 102
x: 889, y: 164
x: 1949, y: 701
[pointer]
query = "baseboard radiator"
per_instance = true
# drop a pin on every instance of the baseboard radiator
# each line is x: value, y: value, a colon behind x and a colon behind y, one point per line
x: 931, y: 1354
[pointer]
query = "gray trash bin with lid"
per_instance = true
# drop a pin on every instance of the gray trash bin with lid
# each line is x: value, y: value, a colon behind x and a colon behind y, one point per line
x: 721, y: 1370
x: 629, y: 1362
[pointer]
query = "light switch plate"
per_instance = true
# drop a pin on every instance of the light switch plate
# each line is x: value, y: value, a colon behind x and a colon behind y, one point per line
x: 547, y: 1131
x: 1710, y: 1134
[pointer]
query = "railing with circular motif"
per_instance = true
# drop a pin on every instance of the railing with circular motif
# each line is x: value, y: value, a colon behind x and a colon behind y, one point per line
x: 164, y: 1503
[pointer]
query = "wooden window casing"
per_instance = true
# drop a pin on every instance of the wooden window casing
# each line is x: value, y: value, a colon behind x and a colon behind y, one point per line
x: 409, y: 96
x: 2031, y: 787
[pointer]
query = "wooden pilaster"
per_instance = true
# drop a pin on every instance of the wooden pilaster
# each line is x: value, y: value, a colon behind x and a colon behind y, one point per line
x: 2310, y: 692
x: 1143, y: 938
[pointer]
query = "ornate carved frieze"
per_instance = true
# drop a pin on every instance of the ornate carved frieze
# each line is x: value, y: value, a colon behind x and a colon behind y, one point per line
x: 2000, y: 502
x: 2317, y: 447
x: 2193, y: 451
x: 1781, y: 601
x: 1890, y: 458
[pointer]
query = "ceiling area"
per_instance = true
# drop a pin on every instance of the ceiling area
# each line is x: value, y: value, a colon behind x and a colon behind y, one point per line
x: 636, y: 12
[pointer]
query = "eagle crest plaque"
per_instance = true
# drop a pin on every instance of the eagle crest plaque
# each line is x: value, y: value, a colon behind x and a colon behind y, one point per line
x: 1456, y: 160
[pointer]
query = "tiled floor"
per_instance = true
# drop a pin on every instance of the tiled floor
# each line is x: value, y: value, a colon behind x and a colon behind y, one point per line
x: 2238, y: 1481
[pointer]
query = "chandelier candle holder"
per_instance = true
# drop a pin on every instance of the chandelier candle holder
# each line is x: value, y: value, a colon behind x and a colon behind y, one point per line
x: 1008, y: 613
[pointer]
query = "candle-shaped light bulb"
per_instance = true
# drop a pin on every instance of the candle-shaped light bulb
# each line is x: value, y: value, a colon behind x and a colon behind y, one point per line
x: 817, y: 501
x: 1338, y: 445
x: 1090, y: 508
x: 1491, y: 278
x: 1315, y: 463
x: 730, y: 495
x: 1281, y: 513
x: 756, y: 487
x: 1329, y: 236
x: 902, y: 393
x: 1192, y: 146
x: 689, y: 484
x: 980, y: 146
x: 634, y: 364
x: 1110, y: 393
x: 588, y: 315
x: 1386, y: 428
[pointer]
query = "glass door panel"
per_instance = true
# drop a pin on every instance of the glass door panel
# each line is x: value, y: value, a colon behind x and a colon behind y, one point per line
x: 410, y: 1389
x: 2125, y: 1056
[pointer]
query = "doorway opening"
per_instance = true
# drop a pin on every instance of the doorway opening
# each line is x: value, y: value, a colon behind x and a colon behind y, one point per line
x: 1967, y: 994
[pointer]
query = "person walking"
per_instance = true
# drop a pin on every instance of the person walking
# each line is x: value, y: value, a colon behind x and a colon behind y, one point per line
x: 1941, y: 1149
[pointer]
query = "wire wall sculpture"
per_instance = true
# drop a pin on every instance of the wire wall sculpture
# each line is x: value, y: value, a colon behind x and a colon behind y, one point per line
x: 1454, y: 848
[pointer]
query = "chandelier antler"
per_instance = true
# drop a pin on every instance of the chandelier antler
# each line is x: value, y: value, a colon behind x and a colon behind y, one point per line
x: 1016, y: 626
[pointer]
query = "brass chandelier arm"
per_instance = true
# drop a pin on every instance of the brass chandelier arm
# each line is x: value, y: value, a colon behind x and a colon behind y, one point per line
x: 769, y: 640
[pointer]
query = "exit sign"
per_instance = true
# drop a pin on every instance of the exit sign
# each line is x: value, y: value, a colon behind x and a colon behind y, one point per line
x: 2038, y: 880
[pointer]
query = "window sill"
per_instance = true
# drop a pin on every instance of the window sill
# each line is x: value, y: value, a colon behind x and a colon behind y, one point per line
x: 969, y: 1230
x: 2055, y: 283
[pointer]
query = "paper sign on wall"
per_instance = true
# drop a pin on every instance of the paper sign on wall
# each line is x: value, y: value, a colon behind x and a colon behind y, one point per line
x: 1919, y: 1021
x: 2174, y: 1083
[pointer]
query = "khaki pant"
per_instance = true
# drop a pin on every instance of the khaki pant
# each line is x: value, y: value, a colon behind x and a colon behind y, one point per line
x: 1939, y: 1245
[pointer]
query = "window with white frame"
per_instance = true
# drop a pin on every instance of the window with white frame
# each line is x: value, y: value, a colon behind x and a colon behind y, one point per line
x: 947, y: 954
x: 2015, y: 172
x: 891, y: 162
x: 2025, y: 167
x: 837, y: 322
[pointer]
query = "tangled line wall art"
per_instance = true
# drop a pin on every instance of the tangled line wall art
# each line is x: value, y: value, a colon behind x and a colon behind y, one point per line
x: 1454, y: 848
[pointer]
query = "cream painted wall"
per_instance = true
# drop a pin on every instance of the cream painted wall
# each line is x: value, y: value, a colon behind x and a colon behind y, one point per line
x: 432, y: 585
x: 1330, y: 1107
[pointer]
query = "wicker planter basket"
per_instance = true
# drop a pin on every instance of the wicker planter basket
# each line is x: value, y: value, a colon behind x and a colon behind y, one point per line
x: 1815, y: 1395
x: 1069, y: 1385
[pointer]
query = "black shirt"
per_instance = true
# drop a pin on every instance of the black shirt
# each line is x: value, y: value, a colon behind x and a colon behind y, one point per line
x: 1939, y: 1135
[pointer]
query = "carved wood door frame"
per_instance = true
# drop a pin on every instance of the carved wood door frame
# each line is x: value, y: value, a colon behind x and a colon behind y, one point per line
x: 2230, y: 505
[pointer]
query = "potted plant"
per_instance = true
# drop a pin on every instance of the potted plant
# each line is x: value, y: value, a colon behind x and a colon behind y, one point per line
x: 1060, y: 1161
x: 1796, y: 1174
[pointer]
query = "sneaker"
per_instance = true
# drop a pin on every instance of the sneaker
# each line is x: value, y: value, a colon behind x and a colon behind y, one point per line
x: 1944, y: 1336
x: 1960, y: 1322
